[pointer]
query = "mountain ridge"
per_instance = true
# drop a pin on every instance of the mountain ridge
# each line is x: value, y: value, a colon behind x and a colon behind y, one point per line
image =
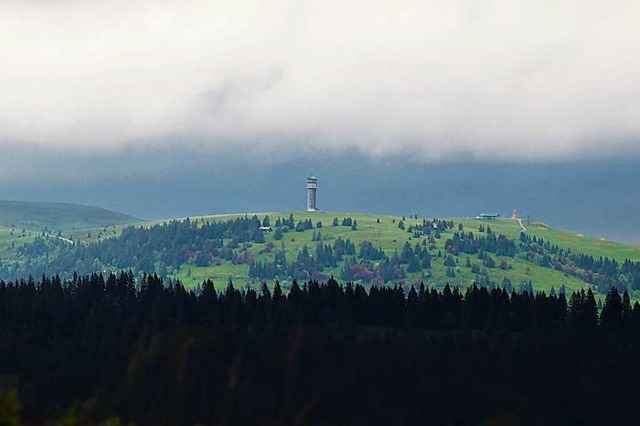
x: 251, y: 248
x: 38, y: 216
x: 437, y: 251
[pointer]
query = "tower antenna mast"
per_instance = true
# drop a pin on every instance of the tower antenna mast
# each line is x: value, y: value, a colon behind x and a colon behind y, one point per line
x: 312, y: 188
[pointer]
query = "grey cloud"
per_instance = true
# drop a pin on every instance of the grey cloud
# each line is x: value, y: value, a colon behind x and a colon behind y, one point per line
x: 439, y: 79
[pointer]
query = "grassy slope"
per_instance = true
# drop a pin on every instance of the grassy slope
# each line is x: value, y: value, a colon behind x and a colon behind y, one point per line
x: 22, y: 221
x: 387, y: 235
x: 36, y: 216
x: 586, y: 244
x: 578, y: 243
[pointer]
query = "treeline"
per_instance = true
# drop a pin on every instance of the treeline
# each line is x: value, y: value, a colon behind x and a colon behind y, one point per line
x: 166, y: 248
x: 154, y: 353
x: 305, y: 266
x: 367, y: 264
x: 602, y: 273
x: 162, y: 248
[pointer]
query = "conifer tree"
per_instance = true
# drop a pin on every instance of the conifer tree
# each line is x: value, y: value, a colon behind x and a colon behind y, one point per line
x: 626, y: 310
x: 611, y: 316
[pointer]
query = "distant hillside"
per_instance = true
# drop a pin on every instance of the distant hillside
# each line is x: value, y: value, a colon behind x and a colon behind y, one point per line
x: 370, y: 249
x: 37, y: 216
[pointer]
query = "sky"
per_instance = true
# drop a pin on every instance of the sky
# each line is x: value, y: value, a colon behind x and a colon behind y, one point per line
x: 161, y: 108
x: 440, y: 79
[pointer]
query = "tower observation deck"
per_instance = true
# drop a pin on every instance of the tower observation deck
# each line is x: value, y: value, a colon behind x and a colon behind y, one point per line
x: 312, y: 187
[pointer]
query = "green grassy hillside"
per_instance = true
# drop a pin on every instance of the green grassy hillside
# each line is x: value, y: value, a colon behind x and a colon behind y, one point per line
x: 578, y: 243
x: 35, y: 216
x: 380, y: 230
x: 22, y: 221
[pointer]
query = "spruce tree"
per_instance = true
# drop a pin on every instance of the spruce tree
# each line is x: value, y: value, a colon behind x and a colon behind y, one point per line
x: 627, y: 310
x: 611, y: 316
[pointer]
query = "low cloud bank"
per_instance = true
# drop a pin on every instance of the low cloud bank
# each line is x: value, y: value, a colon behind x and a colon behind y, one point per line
x: 438, y: 79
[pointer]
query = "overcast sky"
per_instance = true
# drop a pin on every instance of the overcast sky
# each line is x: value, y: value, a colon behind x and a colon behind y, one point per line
x: 443, y: 79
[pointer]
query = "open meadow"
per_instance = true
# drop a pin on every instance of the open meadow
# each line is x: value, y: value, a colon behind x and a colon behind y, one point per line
x: 382, y: 231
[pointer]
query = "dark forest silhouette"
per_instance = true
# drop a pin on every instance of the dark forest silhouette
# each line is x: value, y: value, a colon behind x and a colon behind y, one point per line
x: 154, y: 353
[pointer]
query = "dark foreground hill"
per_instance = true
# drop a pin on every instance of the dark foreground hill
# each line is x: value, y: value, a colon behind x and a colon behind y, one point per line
x: 38, y: 216
x: 96, y: 348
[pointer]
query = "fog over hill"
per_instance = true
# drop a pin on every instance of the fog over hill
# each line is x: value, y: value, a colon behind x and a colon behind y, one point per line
x: 596, y: 197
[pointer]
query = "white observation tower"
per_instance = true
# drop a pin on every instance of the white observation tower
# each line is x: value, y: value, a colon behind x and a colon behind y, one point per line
x: 312, y: 187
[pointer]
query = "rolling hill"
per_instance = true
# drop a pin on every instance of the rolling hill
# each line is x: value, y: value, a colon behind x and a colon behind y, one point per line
x: 383, y: 232
x: 37, y: 216
x: 383, y: 249
x: 22, y: 221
